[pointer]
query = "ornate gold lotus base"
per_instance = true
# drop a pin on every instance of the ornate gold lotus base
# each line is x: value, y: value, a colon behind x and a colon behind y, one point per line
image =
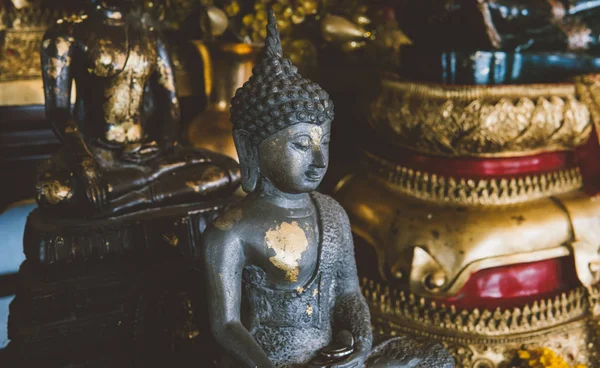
x: 492, y: 338
x: 430, y: 239
x: 471, y: 225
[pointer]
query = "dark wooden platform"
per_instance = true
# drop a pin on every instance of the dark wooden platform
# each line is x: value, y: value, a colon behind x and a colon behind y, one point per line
x: 117, y: 292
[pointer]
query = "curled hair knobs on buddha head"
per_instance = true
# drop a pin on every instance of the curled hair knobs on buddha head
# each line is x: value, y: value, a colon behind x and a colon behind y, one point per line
x: 276, y: 96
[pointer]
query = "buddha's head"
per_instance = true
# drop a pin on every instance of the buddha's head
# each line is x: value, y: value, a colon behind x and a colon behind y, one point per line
x: 281, y: 123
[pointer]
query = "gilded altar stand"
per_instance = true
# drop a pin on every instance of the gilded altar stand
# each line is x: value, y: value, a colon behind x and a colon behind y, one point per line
x: 475, y: 208
x: 112, y: 292
x: 472, y: 226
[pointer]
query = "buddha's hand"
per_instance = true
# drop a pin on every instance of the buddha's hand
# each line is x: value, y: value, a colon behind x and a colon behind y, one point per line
x: 95, y: 187
x: 142, y: 152
x: 355, y: 360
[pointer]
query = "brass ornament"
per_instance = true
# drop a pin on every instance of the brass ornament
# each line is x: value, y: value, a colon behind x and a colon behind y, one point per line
x: 215, y: 22
x: 226, y: 67
x: 339, y: 29
x: 464, y: 191
x: 491, y: 338
x: 487, y: 121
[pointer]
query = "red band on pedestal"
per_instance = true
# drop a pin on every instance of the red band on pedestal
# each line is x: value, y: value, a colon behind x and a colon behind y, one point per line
x: 516, y: 285
x: 482, y: 168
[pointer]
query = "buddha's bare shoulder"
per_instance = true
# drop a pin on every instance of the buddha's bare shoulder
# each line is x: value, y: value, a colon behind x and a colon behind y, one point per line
x: 237, y: 218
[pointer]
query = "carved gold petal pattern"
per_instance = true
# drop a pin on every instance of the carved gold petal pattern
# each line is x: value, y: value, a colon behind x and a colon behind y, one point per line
x: 460, y: 191
x: 490, y: 337
x: 432, y: 315
x: 487, y: 121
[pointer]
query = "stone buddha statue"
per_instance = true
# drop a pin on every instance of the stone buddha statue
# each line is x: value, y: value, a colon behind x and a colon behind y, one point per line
x: 281, y: 273
x: 120, y: 143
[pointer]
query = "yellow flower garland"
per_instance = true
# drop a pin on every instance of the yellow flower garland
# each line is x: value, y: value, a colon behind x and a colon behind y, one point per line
x: 542, y: 358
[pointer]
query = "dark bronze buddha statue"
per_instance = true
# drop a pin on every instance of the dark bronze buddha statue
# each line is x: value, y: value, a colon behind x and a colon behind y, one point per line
x: 281, y: 273
x: 120, y: 143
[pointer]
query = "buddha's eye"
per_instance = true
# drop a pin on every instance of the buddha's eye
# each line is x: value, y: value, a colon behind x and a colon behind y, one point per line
x: 302, y: 143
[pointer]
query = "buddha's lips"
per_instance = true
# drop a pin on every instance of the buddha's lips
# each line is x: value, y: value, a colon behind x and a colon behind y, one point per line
x: 314, y: 174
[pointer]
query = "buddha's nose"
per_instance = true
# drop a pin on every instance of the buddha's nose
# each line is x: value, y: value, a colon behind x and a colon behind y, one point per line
x: 319, y: 159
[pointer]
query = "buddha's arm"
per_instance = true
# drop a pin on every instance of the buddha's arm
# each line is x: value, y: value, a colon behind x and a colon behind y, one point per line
x: 57, y: 74
x: 168, y: 102
x: 224, y: 260
x: 351, y: 310
x: 56, y: 58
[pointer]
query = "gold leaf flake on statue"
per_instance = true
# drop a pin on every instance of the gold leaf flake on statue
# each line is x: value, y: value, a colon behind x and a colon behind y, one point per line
x: 226, y: 221
x: 289, y: 242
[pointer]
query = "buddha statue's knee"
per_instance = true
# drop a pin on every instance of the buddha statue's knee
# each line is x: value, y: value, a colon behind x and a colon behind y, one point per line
x: 55, y: 187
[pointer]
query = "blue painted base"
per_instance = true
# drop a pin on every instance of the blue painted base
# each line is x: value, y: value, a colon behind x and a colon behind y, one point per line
x: 12, y: 225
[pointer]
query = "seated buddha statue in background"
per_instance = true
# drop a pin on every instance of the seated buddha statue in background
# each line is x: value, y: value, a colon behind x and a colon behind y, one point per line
x: 281, y: 273
x: 120, y: 143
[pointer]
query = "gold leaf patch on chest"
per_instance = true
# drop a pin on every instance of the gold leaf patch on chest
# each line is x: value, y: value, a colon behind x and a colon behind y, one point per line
x: 289, y: 242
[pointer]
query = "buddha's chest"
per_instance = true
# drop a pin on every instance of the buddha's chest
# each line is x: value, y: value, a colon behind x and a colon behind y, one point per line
x: 120, y: 52
x: 288, y: 252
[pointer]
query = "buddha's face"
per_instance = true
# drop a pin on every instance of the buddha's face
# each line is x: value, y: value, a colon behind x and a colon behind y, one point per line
x: 295, y: 159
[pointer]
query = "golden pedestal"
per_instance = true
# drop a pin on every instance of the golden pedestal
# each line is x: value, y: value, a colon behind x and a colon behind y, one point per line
x: 474, y: 219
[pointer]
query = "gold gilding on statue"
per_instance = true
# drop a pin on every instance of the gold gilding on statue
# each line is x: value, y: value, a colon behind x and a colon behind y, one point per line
x: 289, y: 242
x: 228, y: 219
x: 54, y: 191
x: 481, y: 120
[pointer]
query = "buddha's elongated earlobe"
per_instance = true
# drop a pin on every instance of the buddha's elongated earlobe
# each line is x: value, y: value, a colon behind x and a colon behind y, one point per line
x: 248, y: 155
